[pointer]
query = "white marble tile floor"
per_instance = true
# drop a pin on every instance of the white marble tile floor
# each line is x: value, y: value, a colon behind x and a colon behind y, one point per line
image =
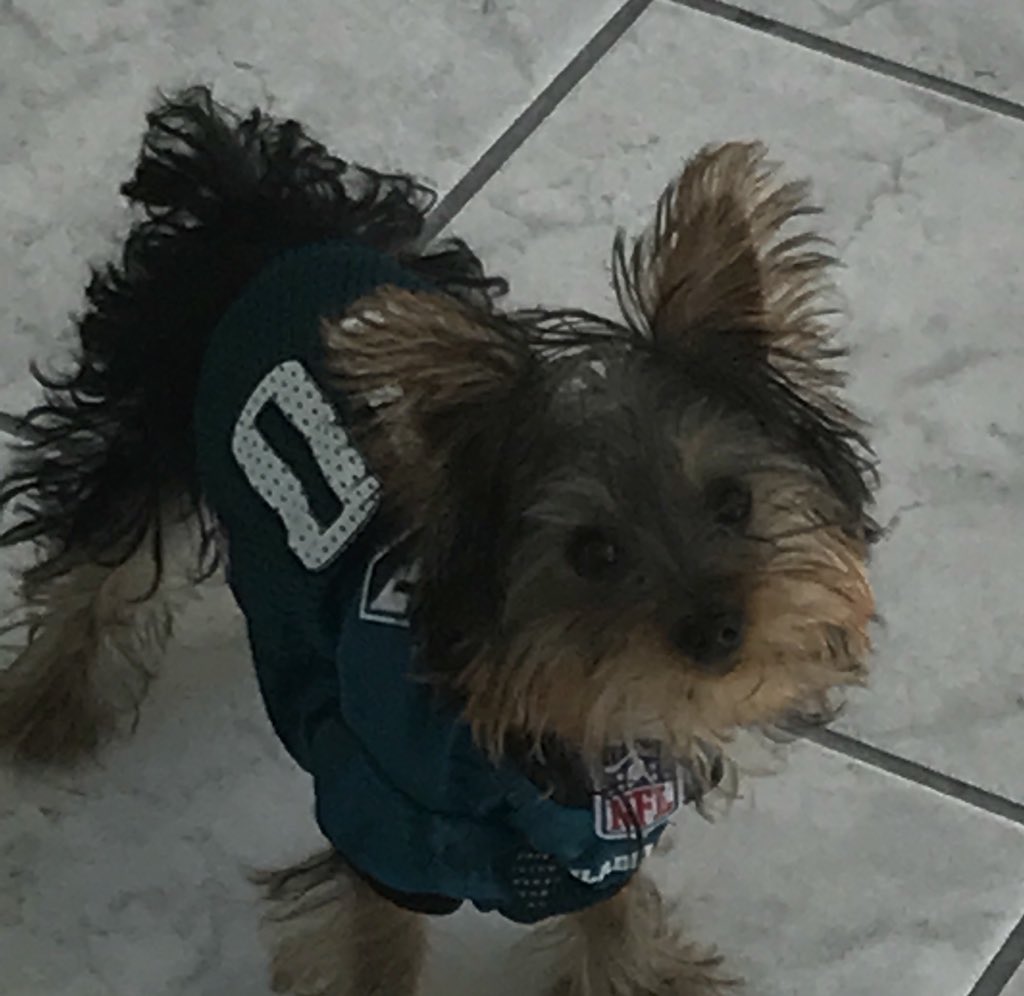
x: 830, y: 878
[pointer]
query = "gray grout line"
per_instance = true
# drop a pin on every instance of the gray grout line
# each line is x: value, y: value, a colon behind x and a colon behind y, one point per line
x: 1000, y: 969
x: 532, y: 117
x: 855, y: 56
x: 1010, y: 957
x: 920, y: 774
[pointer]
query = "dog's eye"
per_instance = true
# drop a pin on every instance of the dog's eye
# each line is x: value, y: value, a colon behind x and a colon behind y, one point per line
x: 593, y: 554
x: 730, y: 501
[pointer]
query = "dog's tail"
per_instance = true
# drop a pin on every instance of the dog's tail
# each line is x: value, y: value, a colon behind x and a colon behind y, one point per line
x: 105, y: 474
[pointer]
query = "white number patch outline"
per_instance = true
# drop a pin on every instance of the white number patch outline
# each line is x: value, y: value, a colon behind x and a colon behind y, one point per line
x: 389, y: 605
x: 297, y: 396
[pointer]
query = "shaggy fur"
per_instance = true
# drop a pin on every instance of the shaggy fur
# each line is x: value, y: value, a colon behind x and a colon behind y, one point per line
x: 627, y: 946
x: 653, y: 527
x: 94, y: 635
x: 332, y: 935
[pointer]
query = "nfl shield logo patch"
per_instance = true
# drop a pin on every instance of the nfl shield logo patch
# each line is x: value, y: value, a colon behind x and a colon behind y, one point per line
x: 640, y: 792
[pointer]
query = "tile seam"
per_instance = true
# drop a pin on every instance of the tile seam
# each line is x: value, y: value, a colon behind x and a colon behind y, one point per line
x: 871, y: 61
x: 532, y: 117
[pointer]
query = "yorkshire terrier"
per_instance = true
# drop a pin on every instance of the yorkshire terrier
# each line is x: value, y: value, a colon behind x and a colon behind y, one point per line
x: 513, y: 580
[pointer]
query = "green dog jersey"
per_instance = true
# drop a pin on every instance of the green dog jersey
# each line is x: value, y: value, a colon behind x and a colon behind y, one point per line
x: 402, y: 791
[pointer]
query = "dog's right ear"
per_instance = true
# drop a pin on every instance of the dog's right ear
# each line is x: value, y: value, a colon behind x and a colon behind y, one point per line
x: 423, y: 375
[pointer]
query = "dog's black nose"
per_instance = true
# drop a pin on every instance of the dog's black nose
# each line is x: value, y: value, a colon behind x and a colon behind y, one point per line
x: 712, y: 639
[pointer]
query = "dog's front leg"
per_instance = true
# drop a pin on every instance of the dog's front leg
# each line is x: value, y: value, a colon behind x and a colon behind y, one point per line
x: 334, y: 936
x: 626, y: 946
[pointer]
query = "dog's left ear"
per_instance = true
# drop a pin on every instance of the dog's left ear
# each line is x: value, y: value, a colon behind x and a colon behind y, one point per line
x: 718, y: 282
x: 714, y: 260
x: 423, y: 376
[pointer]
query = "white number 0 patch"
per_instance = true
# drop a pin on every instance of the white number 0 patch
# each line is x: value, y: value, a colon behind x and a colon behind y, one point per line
x: 296, y: 395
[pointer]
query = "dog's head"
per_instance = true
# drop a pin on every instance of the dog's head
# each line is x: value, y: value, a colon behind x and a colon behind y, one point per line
x: 655, y: 528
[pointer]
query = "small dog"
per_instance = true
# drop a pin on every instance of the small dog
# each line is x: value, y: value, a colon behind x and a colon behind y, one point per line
x: 511, y: 579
